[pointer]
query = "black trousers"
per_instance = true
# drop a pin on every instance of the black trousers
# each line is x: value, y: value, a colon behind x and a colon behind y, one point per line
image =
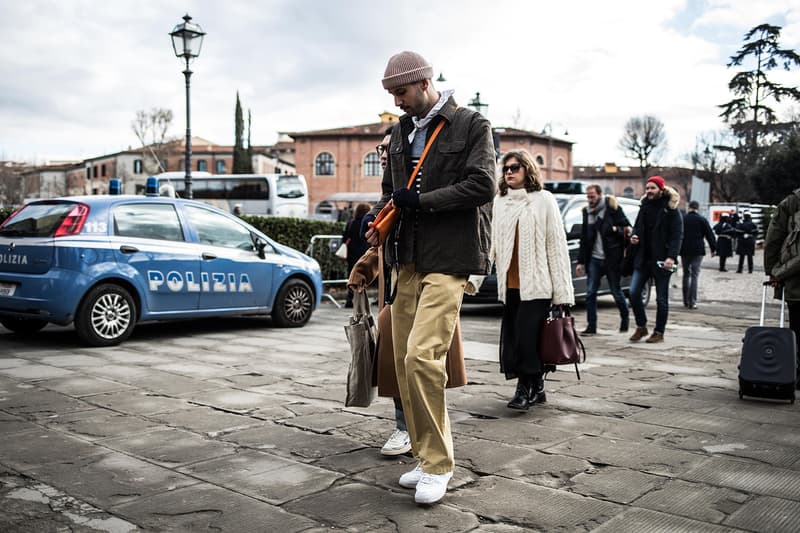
x: 520, y: 331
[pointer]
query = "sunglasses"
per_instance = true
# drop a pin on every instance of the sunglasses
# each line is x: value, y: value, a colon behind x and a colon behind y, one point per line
x: 381, y: 149
x: 513, y: 167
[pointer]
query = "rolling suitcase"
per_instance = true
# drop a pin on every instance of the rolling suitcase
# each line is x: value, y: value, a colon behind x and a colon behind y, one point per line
x: 768, y: 368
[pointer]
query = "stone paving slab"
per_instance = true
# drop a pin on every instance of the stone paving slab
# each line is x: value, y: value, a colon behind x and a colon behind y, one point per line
x: 353, y: 506
x: 619, y: 485
x: 100, y: 424
x: 170, y: 447
x: 136, y: 402
x: 205, y: 507
x: 263, y: 476
x: 528, y: 505
x: 748, y: 477
x: 37, y: 446
x: 782, y: 516
x: 693, y: 500
x: 79, y: 386
x: 644, y: 521
x: 643, y: 457
x: 290, y: 442
x: 111, y: 478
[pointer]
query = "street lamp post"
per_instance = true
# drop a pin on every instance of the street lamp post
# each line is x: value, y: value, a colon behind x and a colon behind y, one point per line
x: 187, y: 39
x: 548, y: 131
x: 483, y: 108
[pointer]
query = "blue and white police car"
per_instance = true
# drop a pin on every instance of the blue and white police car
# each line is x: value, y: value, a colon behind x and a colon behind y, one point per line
x: 105, y: 263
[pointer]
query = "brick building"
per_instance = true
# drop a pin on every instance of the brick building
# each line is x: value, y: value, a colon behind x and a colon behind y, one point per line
x: 345, y: 160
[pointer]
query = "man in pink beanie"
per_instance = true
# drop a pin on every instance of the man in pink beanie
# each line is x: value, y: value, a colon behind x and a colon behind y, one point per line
x: 657, y: 236
x: 441, y: 238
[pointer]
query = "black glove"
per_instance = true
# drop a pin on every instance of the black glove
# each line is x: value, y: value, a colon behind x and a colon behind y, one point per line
x: 406, y: 198
x: 365, y: 225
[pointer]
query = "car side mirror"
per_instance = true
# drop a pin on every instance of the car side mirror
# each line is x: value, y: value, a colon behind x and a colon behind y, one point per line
x: 261, y: 245
x: 575, y: 231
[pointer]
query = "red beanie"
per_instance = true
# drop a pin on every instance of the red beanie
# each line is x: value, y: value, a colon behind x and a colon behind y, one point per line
x: 658, y: 180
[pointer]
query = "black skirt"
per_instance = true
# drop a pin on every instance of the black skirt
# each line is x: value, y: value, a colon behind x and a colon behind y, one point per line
x: 519, y: 335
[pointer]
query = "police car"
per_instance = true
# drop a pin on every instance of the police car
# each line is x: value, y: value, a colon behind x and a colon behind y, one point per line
x: 105, y: 263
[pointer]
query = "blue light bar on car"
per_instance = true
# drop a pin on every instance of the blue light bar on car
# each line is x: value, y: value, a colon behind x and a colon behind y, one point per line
x: 115, y: 186
x: 151, y: 186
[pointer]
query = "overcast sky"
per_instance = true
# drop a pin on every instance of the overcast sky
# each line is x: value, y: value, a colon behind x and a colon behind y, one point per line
x: 73, y: 73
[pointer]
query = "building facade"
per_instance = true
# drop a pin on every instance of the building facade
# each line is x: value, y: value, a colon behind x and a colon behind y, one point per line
x: 345, y: 159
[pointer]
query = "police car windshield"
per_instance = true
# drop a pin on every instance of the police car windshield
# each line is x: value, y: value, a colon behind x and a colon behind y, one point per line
x: 37, y: 220
x: 289, y: 187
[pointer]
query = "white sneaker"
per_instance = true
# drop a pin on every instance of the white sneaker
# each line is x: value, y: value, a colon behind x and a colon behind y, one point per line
x: 398, y: 444
x: 432, y: 487
x: 410, y: 479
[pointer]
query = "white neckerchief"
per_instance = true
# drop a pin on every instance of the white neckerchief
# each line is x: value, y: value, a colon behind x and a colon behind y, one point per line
x: 421, y: 124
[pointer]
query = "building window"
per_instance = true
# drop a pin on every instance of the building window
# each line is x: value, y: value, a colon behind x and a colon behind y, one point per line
x: 372, y: 164
x: 628, y: 192
x: 164, y: 165
x: 137, y: 166
x: 94, y: 172
x: 540, y: 160
x: 560, y: 163
x: 202, y: 166
x: 220, y: 167
x: 103, y: 169
x: 324, y: 164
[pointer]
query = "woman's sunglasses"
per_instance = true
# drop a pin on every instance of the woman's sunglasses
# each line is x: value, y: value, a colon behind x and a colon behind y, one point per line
x: 512, y: 167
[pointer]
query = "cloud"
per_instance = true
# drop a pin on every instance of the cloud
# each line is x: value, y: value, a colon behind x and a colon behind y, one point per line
x: 77, y: 72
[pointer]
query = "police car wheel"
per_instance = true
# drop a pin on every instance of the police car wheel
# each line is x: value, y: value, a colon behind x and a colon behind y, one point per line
x: 106, y: 316
x: 293, y: 305
x: 23, y: 325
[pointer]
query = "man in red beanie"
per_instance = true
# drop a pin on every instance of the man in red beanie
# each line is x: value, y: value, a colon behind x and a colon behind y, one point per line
x: 657, y: 237
x: 441, y: 238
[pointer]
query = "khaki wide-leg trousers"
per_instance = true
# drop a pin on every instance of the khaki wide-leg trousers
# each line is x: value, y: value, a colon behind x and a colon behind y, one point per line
x: 424, y: 315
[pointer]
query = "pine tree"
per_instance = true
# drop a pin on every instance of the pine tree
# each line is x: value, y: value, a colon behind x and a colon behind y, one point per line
x: 751, y: 117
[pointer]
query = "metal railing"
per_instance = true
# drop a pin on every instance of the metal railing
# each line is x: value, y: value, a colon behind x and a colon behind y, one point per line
x: 334, y: 270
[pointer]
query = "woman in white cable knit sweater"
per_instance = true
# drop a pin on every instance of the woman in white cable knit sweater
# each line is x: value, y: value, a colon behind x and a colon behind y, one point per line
x: 529, y: 249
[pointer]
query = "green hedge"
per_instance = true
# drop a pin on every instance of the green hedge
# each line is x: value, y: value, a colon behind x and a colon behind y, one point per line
x: 5, y: 212
x: 297, y: 233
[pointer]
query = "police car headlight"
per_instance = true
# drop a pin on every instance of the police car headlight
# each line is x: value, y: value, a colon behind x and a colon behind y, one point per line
x: 315, y: 266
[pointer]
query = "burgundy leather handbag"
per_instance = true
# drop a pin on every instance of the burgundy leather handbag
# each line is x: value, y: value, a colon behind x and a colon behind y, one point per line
x: 559, y: 342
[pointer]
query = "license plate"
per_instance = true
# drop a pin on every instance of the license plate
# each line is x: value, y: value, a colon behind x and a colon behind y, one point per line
x: 7, y: 289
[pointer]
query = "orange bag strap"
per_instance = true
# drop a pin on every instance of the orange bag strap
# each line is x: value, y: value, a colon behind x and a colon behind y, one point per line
x: 424, y: 153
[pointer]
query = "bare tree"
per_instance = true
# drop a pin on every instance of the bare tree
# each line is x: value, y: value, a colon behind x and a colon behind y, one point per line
x: 644, y: 140
x: 151, y: 128
x: 713, y: 162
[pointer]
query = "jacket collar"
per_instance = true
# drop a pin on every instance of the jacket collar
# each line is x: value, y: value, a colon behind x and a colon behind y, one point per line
x: 673, y: 198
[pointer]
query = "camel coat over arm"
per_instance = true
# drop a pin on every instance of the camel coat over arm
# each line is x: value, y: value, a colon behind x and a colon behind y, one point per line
x: 363, y: 274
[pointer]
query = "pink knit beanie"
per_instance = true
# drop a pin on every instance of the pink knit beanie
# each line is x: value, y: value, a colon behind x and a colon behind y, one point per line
x: 404, y: 68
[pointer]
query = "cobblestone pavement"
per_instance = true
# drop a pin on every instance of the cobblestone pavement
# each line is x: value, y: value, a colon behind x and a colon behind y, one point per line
x: 233, y: 425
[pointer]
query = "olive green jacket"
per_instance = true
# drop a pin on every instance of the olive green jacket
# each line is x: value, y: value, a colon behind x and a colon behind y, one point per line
x: 776, y: 234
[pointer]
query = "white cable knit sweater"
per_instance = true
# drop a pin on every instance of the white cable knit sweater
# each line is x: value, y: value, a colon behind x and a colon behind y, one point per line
x: 544, y: 265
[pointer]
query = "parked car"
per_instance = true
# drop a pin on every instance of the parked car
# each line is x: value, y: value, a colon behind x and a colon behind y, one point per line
x: 106, y: 263
x: 571, y: 206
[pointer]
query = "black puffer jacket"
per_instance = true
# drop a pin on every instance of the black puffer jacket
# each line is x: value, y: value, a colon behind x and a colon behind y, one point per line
x: 450, y: 233
x: 667, y: 236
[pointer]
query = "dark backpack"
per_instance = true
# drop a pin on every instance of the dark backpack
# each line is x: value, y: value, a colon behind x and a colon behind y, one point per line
x: 789, y: 263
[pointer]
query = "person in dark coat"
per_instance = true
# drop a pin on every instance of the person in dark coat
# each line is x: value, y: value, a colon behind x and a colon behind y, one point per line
x: 725, y: 233
x: 657, y: 236
x: 695, y: 229
x: 746, y: 242
x: 356, y: 244
x: 601, y: 249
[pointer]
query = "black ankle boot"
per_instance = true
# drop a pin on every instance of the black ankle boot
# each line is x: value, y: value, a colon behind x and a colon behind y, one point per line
x: 537, y: 394
x: 521, y: 399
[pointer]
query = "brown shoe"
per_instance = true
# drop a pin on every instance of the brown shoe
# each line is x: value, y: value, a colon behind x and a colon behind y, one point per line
x: 639, y: 334
x: 655, y: 337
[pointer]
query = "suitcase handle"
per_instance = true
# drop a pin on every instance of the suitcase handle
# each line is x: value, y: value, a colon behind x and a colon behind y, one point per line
x: 764, y: 303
